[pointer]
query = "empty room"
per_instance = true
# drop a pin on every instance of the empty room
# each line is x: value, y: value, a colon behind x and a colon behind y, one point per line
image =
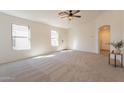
x: 61, y: 46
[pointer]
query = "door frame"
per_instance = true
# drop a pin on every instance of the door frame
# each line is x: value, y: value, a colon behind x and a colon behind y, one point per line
x: 99, y: 30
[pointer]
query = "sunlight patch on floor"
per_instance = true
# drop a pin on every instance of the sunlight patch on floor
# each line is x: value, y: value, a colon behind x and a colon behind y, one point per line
x: 66, y: 50
x: 45, y: 56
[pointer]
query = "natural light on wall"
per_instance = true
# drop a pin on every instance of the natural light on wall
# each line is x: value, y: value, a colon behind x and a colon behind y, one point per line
x: 20, y: 37
x: 54, y: 38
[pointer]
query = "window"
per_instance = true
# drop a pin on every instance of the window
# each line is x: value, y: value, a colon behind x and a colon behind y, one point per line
x: 54, y: 38
x: 20, y: 37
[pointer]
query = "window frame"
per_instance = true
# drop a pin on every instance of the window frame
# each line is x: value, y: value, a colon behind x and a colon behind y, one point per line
x: 56, y: 38
x: 12, y: 37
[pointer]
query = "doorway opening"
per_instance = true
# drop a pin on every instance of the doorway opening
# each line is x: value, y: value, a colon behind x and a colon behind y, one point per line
x: 104, y: 39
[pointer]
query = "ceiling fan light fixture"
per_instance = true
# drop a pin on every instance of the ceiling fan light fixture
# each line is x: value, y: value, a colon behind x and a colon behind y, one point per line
x: 70, y: 14
x: 70, y: 17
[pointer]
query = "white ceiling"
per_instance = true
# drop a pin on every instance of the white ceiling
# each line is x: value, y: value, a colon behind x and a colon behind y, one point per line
x: 51, y: 16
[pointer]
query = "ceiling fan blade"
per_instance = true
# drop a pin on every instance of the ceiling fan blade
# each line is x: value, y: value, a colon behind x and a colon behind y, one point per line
x: 76, y: 16
x: 64, y: 16
x: 76, y: 12
x: 63, y: 13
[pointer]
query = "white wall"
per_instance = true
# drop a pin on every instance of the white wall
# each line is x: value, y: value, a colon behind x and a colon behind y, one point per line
x: 84, y: 37
x: 122, y: 26
x: 40, y: 38
x: 112, y: 18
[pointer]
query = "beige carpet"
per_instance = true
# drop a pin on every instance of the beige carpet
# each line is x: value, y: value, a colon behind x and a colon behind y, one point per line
x: 71, y: 66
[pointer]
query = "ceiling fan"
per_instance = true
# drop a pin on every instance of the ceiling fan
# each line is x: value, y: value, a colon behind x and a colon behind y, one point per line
x: 70, y: 14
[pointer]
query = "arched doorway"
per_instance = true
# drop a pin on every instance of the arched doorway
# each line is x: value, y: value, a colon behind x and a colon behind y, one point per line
x: 104, y: 39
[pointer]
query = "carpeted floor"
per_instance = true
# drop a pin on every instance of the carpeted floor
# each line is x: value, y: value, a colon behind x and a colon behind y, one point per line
x: 66, y: 66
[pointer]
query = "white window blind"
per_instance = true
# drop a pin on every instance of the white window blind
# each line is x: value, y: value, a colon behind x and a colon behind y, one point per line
x: 20, y: 37
x: 54, y: 38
